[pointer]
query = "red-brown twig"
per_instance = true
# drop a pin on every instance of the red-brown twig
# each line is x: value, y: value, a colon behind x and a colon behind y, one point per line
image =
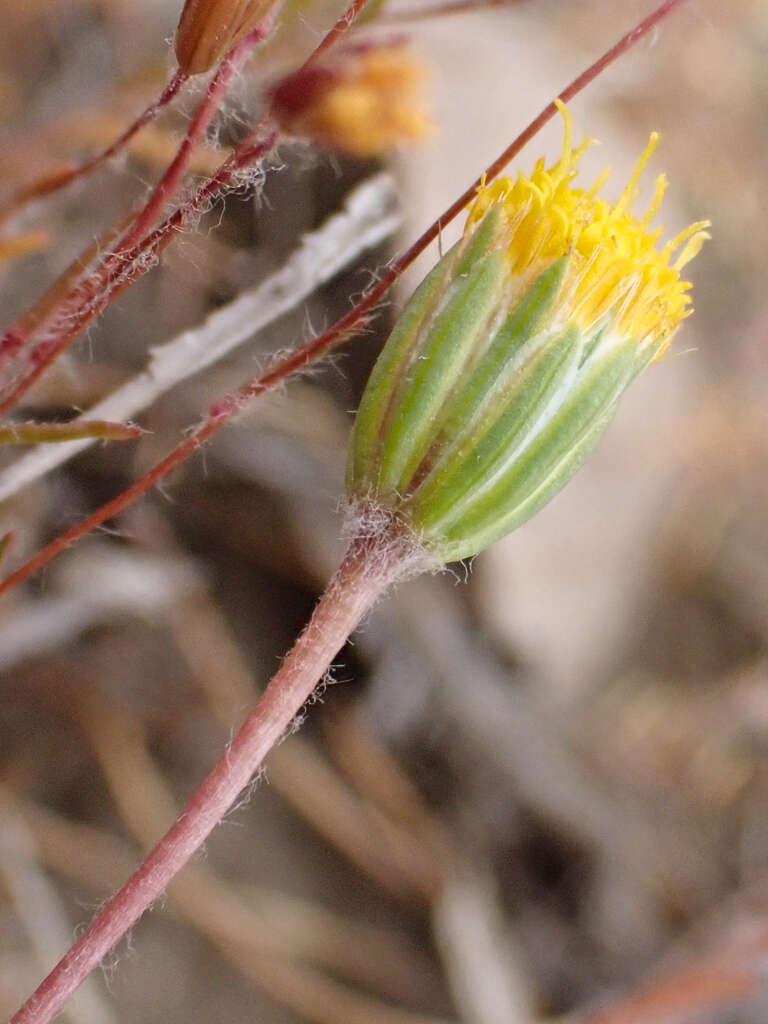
x: 58, y: 323
x: 61, y: 323
x: 63, y: 176
x: 355, y: 320
x: 169, y: 184
x: 112, y: 277
x: 366, y: 571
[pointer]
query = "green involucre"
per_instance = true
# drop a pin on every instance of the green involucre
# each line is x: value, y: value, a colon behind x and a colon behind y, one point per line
x: 548, y: 462
x: 436, y: 368
x: 483, y: 403
x: 470, y: 467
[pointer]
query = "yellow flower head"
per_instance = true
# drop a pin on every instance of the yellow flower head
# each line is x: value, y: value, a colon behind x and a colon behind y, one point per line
x: 509, y: 361
x: 615, y: 265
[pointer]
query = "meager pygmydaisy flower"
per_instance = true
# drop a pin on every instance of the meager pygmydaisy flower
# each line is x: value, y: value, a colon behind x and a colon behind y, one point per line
x: 507, y: 364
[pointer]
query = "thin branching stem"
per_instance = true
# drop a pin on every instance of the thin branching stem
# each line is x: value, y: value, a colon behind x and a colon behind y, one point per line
x: 171, y: 180
x: 368, y: 216
x: 56, y: 324
x: 92, y: 296
x: 351, y: 323
x: 59, y: 324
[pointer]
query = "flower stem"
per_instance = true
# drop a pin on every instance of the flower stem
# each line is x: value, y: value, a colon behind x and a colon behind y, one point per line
x: 369, y: 567
x: 171, y: 180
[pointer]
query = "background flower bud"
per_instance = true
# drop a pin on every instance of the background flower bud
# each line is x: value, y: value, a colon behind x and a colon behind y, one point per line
x: 364, y: 102
x: 208, y: 29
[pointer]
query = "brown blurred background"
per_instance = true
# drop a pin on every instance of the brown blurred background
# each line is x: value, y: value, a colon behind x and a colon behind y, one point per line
x: 538, y: 785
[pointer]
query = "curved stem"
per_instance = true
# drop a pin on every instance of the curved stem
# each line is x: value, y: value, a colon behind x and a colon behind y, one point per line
x: 52, y: 182
x: 367, y: 570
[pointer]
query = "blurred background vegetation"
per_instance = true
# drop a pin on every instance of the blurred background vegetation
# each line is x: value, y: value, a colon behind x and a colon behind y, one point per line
x: 536, y: 787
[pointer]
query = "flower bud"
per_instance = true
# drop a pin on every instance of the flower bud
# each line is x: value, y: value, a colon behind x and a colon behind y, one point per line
x: 363, y: 103
x: 208, y: 29
x: 508, y: 362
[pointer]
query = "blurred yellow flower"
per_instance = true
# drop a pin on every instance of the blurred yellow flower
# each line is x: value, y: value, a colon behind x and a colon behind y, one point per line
x: 614, y: 260
x: 365, y: 104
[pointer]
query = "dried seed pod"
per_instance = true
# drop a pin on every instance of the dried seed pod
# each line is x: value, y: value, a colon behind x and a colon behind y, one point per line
x: 210, y: 28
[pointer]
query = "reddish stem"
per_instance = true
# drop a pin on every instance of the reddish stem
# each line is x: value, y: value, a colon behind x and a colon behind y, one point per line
x: 65, y: 324
x: 89, y: 300
x: 65, y: 319
x: 369, y: 567
x: 56, y: 180
x: 221, y: 412
x: 169, y: 184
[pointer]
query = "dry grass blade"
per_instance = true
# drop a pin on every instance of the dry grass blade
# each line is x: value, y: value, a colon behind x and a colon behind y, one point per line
x: 39, y: 908
x: 366, y: 220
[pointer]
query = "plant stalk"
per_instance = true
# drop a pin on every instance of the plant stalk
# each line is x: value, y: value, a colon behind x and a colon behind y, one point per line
x: 369, y: 567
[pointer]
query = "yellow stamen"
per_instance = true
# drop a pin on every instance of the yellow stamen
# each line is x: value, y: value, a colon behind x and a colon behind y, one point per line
x: 615, y: 266
x: 566, y: 155
x: 629, y: 194
x: 658, y: 195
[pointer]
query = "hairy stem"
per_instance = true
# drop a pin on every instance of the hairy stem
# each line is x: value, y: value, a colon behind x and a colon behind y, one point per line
x: 60, y: 322
x: 55, y: 324
x: 367, y: 217
x: 367, y: 570
x: 73, y: 311
x: 170, y: 182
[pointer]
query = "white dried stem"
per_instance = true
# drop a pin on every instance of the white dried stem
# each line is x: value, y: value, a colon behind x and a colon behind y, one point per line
x: 483, y: 965
x: 368, y: 217
x: 94, y: 590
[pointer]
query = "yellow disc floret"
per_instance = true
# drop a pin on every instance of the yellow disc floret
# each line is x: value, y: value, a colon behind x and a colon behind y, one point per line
x: 615, y: 265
